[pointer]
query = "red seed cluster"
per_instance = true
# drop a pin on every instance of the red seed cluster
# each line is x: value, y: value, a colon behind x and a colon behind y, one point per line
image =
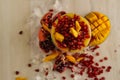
x: 47, y: 45
x: 92, y: 69
x: 63, y: 26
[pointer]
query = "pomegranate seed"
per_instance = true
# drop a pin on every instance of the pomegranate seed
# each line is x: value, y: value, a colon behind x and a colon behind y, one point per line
x: 108, y: 69
x: 95, y: 78
x: 94, y: 48
x: 29, y: 65
x: 72, y: 75
x: 46, y: 68
x: 63, y: 77
x: 96, y: 64
x: 103, y: 67
x: 97, y: 54
x: 46, y: 73
x: 105, y: 58
x: 36, y: 70
x: 17, y: 72
x: 100, y: 60
x: 21, y: 32
x: 51, y: 10
x: 102, y: 78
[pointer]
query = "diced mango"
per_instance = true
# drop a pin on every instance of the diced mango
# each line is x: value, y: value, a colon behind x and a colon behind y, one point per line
x: 107, y: 23
x: 100, y: 28
x: 74, y: 32
x: 51, y: 56
x: 95, y: 31
x: 71, y: 58
x: 99, y: 15
x: 59, y: 37
x: 103, y: 26
x: 99, y: 21
x: 21, y: 78
x: 104, y: 18
x: 91, y: 17
x: 92, y: 26
x: 78, y: 27
x: 95, y: 24
x: 79, y: 59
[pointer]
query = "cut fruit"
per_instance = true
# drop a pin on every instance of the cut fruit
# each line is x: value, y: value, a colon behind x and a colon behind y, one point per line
x: 59, y: 37
x: 100, y: 26
x: 51, y: 56
x: 71, y: 58
x: 78, y: 27
x: 21, y: 78
x: 76, y: 31
x: 46, y: 21
x: 41, y: 35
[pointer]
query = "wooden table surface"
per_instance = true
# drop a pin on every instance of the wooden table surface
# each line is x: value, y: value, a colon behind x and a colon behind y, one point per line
x: 14, y: 48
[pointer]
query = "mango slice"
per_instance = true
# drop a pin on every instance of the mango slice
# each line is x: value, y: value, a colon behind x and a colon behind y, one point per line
x: 78, y: 27
x: 74, y: 32
x: 59, y: 37
x: 71, y: 58
x: 51, y: 56
x: 46, y: 28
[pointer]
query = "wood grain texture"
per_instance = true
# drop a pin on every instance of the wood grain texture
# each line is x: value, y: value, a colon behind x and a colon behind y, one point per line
x: 14, y: 48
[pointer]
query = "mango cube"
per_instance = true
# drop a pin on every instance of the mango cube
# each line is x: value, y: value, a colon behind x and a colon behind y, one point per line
x: 74, y: 32
x: 78, y: 27
x: 91, y: 17
x: 59, y: 37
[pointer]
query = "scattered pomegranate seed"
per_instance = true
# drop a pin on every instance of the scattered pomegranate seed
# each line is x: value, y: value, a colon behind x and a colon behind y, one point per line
x: 103, y: 67
x: 20, y: 32
x: 108, y: 69
x: 63, y: 77
x: 51, y: 10
x: 105, y: 58
x: 46, y: 73
x: 29, y: 65
x: 72, y: 75
x: 46, y: 68
x: 97, y: 54
x: 94, y: 48
x: 102, y: 78
x: 100, y: 60
x: 17, y: 72
x: 36, y: 70
x: 96, y: 64
x: 95, y: 78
